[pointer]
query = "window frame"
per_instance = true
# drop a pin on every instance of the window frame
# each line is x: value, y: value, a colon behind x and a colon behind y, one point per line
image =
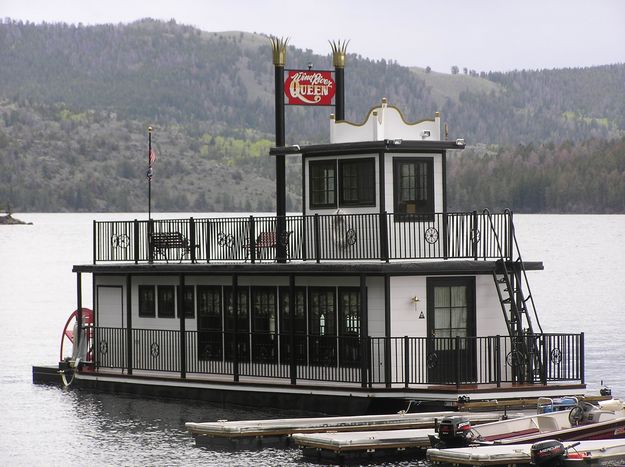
x: 364, y: 180
x: 312, y: 178
x: 142, y: 305
x: 160, y: 302
x: 425, y: 213
x: 189, y: 308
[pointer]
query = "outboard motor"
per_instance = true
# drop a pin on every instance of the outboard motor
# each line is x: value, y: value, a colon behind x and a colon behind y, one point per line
x: 453, y: 431
x: 549, y: 453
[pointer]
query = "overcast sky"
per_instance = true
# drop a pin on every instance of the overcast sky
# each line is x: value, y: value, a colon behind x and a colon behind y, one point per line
x: 484, y: 35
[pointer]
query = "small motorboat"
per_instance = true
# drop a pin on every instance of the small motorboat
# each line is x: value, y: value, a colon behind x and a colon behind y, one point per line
x: 550, y: 453
x: 584, y: 421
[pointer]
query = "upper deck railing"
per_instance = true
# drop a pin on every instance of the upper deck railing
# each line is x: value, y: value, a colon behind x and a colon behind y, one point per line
x: 337, y: 237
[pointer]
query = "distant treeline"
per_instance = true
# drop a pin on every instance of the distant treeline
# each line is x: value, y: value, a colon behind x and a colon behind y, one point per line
x: 585, y: 177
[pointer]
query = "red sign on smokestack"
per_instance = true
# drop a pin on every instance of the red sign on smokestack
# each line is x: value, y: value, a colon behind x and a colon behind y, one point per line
x: 309, y: 87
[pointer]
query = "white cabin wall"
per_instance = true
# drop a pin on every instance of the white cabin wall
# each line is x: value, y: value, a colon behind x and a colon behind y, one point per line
x: 490, y: 321
x: 109, y: 316
x: 375, y: 302
x: 385, y: 122
x: 404, y: 318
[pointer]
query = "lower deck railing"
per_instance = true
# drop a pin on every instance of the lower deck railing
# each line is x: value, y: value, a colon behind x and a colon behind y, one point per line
x: 369, y: 361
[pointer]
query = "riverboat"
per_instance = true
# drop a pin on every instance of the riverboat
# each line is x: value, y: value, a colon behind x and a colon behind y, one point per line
x: 375, y: 295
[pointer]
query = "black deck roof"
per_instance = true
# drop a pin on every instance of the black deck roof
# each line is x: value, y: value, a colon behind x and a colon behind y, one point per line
x: 387, y: 145
x: 421, y: 268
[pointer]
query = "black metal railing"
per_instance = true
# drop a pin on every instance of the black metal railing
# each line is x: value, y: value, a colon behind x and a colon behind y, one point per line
x: 371, y: 361
x: 336, y: 237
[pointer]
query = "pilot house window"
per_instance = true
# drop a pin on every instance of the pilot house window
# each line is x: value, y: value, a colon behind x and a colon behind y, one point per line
x: 414, y: 186
x: 355, y: 184
x: 323, y: 184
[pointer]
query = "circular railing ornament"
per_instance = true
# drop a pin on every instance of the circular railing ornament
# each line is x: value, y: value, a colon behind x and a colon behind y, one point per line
x: 556, y: 356
x: 350, y: 237
x: 475, y: 236
x: 432, y: 360
x: 120, y: 241
x: 431, y: 235
x: 104, y: 347
x: 515, y: 358
x: 225, y: 240
x: 283, y: 238
x: 155, y: 350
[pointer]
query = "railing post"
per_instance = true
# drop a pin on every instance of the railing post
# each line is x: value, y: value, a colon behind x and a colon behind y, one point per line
x: 135, y: 243
x: 192, y: 239
x: 474, y: 235
x: 445, y: 235
x: 387, y: 362
x: 364, y: 361
x: 498, y: 360
x: 457, y: 359
x: 292, y: 304
x: 252, y: 241
x: 582, y: 358
x: 510, y: 236
x: 281, y: 246
x: 95, y: 241
x: 317, y: 238
x: 183, y: 330
x: 545, y: 362
x: 150, y: 232
x: 406, y: 361
x: 235, y: 311
x: 384, y: 253
x: 304, y: 242
x: 128, y: 324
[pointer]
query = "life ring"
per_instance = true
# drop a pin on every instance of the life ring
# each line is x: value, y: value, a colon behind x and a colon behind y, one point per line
x: 79, y: 352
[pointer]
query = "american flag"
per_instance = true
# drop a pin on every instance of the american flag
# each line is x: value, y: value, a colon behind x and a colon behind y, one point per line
x: 151, y: 157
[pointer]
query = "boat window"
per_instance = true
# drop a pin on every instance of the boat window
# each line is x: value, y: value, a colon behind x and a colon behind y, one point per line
x: 299, y: 321
x: 264, y: 324
x: 210, y: 326
x: 189, y: 301
x: 414, y: 188
x: 147, y: 302
x: 242, y: 323
x: 300, y: 310
x: 322, y: 311
x: 322, y: 184
x: 357, y: 179
x: 349, y: 326
x: 349, y: 311
x: 322, y: 328
x: 166, y: 301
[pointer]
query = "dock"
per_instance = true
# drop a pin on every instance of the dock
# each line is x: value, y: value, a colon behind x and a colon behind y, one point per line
x: 345, y: 446
x: 259, y: 432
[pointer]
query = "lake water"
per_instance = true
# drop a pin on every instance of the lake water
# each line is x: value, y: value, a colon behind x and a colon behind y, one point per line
x: 580, y: 290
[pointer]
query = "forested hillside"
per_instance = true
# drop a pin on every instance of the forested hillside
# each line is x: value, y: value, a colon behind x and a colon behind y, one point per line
x: 75, y: 103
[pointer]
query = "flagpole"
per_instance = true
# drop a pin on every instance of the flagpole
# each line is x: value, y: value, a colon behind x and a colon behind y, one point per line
x: 149, y: 173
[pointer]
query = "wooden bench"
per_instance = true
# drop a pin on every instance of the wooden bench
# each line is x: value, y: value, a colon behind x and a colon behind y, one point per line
x: 267, y: 240
x: 162, y: 242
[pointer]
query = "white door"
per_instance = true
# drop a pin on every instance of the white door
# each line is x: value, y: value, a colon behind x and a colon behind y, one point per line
x: 110, y: 306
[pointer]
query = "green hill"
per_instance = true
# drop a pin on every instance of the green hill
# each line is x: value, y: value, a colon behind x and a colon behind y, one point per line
x: 75, y: 102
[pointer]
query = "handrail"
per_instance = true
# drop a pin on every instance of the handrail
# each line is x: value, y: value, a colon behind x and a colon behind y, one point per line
x: 519, y: 259
x: 340, y: 359
x: 318, y: 237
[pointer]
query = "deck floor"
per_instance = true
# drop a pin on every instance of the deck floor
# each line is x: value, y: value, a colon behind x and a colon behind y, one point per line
x: 475, y: 391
